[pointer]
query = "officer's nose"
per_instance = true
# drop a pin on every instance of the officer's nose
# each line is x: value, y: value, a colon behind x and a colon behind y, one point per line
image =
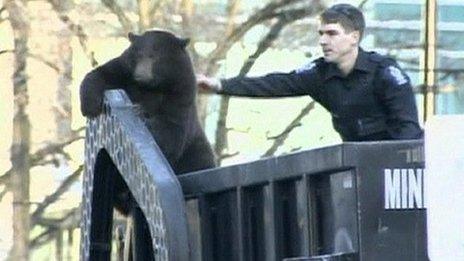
x: 323, y: 40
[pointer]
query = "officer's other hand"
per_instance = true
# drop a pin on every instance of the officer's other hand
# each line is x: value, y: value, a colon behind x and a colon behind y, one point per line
x: 208, y: 84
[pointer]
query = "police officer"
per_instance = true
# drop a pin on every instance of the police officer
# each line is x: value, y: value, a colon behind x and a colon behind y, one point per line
x: 368, y: 95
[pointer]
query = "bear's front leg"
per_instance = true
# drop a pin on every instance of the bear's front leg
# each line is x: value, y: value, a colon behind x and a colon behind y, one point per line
x: 91, y: 95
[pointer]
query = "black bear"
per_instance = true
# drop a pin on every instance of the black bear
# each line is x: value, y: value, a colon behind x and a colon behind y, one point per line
x: 157, y: 74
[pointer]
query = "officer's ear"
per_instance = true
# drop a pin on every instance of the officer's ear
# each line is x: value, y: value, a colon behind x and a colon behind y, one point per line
x: 356, y: 35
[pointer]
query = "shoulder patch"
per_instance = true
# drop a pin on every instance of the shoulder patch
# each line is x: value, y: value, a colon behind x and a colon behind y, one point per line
x: 306, y: 67
x: 397, y: 75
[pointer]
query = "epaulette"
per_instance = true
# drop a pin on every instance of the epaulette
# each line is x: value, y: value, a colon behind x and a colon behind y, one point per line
x: 310, y: 66
x: 376, y: 57
x: 383, y: 61
x: 319, y: 60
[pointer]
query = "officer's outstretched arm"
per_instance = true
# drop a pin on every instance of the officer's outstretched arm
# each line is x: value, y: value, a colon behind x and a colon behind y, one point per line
x: 303, y: 81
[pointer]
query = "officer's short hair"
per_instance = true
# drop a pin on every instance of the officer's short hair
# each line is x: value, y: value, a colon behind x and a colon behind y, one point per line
x: 348, y: 16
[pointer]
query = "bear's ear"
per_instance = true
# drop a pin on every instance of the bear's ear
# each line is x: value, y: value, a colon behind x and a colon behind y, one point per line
x: 184, y: 42
x: 132, y: 37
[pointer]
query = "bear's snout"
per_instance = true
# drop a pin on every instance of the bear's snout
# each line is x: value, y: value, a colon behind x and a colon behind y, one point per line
x: 143, y: 72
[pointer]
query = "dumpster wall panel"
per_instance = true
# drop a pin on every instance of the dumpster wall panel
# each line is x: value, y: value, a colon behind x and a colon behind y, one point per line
x: 392, y: 216
x: 219, y: 225
x: 253, y: 223
x: 336, y: 211
x: 286, y: 219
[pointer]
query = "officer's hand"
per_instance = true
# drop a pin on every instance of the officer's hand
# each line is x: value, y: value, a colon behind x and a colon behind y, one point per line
x: 208, y: 84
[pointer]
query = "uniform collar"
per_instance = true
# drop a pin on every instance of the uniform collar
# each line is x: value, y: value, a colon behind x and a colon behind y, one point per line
x: 363, y: 63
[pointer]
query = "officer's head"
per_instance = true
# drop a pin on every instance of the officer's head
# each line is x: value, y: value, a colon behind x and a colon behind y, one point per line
x: 341, y: 30
x: 348, y: 16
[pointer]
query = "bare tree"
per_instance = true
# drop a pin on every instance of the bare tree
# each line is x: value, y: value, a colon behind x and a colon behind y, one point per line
x: 62, y: 108
x: 77, y: 30
x: 119, y: 12
x: 17, y: 178
x: 145, y: 14
x: 280, y: 139
x: 19, y: 182
x: 284, y: 18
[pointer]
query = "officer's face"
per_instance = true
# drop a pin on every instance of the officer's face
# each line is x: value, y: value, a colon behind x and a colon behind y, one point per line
x: 336, y: 43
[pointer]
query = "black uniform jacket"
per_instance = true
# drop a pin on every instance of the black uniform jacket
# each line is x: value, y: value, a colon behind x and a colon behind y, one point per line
x: 374, y: 102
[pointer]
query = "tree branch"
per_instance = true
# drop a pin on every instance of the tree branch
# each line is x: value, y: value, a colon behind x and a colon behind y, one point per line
x: 2, y: 9
x: 38, y: 157
x: 5, y: 178
x: 119, y: 12
x: 156, y: 6
x: 77, y: 30
x: 38, y: 58
x: 263, y: 45
x: 284, y: 18
x: 56, y: 148
x: 53, y: 197
x: 280, y: 139
x: 247, y: 130
x: 288, y: 129
x: 42, y: 59
x: 361, y: 5
x: 221, y: 130
x: 3, y: 193
x: 227, y: 155
x: 70, y: 220
x: 6, y: 51
x: 237, y: 33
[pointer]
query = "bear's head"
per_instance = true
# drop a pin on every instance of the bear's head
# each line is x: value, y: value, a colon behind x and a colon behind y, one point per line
x: 157, y: 59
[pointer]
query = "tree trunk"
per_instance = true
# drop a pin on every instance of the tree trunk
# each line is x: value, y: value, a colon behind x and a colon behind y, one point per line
x: 63, y: 105
x: 70, y: 244
x: 17, y: 10
x: 63, y: 115
x: 221, y: 142
x: 187, y: 12
x: 145, y: 15
x: 232, y: 9
x: 59, y: 245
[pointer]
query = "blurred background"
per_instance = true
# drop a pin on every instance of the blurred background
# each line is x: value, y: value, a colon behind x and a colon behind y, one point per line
x: 47, y: 46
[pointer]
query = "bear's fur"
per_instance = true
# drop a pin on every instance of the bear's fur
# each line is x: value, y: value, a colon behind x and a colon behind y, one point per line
x: 157, y: 74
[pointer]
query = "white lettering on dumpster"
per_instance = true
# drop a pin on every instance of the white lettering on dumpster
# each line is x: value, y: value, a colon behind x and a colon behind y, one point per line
x: 404, y: 188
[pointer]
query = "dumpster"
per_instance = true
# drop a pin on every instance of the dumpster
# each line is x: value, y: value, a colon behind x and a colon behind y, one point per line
x: 358, y: 201
x: 352, y: 201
